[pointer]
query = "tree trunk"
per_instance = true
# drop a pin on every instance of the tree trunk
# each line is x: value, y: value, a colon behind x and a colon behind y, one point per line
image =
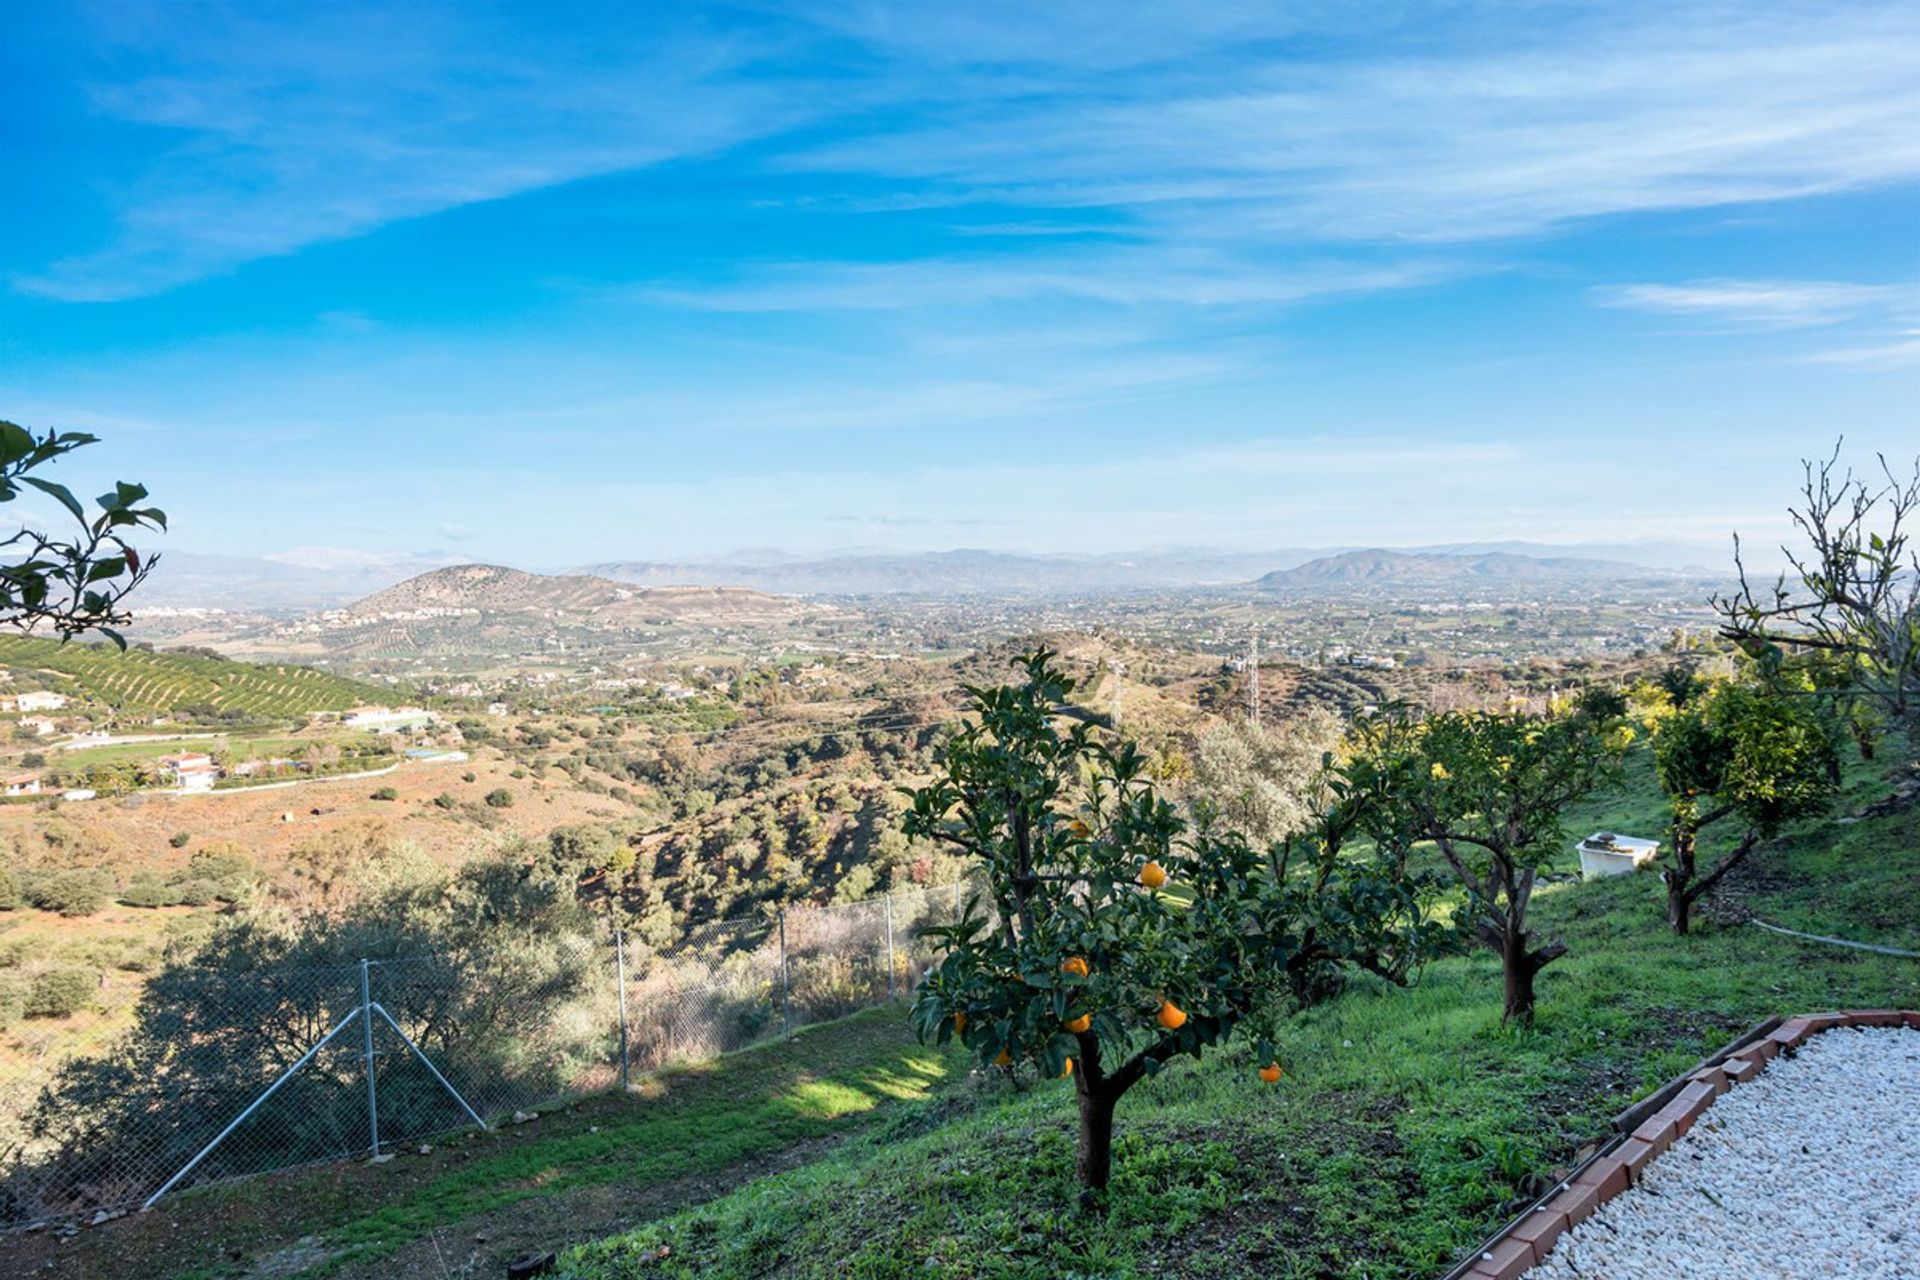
x: 1096, y: 1139
x: 1679, y: 906
x: 1520, y: 969
x: 1679, y: 878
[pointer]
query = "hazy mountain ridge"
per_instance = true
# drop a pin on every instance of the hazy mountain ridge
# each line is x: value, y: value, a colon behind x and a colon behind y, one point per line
x: 243, y: 584
x: 1382, y: 568
x: 497, y: 589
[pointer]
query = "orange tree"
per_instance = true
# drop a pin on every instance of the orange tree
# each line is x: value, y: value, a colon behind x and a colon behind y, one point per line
x: 1744, y: 756
x: 1084, y: 966
x: 1488, y: 790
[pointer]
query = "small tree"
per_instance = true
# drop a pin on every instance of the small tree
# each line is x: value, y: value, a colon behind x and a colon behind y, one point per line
x: 1488, y: 790
x: 1080, y: 969
x: 1738, y: 755
x: 1858, y: 597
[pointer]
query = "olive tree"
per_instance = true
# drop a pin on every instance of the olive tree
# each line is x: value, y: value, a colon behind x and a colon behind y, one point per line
x: 1744, y: 756
x: 1264, y: 782
x: 1488, y: 790
x: 1084, y: 966
x: 75, y: 581
x: 1852, y: 594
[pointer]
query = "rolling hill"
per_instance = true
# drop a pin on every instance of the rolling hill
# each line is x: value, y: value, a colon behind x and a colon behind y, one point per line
x: 476, y: 609
x: 142, y: 682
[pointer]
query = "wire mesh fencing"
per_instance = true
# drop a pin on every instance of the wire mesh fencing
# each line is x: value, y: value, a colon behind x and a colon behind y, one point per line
x: 233, y: 1072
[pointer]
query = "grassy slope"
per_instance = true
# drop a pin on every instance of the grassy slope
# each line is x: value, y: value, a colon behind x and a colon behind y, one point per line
x: 664, y: 1145
x: 1404, y: 1131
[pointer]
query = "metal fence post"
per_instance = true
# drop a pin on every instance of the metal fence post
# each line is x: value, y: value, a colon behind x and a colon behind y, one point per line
x: 786, y: 1007
x: 620, y: 963
x: 366, y: 1025
x: 888, y: 900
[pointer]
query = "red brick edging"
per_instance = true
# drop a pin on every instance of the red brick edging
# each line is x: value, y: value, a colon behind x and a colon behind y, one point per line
x: 1645, y: 1130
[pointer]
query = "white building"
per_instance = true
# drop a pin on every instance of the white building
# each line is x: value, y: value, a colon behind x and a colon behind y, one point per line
x: 386, y: 719
x: 23, y: 784
x: 40, y: 700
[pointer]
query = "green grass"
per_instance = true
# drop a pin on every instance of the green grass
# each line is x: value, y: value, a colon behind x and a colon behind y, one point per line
x: 826, y: 1081
x: 1408, y: 1125
x: 138, y: 681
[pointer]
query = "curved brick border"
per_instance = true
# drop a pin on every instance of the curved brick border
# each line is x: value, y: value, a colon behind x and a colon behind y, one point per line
x: 1645, y: 1130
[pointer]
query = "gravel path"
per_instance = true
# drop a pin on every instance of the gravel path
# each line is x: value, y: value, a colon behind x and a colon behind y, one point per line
x: 1809, y: 1171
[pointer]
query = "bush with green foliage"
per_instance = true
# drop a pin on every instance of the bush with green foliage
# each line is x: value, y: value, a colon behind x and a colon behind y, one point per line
x: 385, y: 793
x: 180, y: 839
x: 9, y: 890
x: 198, y: 893
x: 61, y: 992
x: 500, y: 798
x: 14, y: 987
x: 73, y: 893
x: 149, y: 893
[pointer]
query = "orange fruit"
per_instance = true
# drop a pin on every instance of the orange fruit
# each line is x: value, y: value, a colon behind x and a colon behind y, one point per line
x: 1079, y: 828
x: 1153, y: 875
x: 1172, y: 1016
x: 1003, y: 1059
x: 960, y: 1022
x: 1075, y: 965
x: 1067, y: 1070
x: 1080, y: 1024
x: 1271, y: 1073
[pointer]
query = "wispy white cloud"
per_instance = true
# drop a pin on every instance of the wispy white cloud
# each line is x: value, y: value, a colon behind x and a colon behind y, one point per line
x: 1902, y: 353
x: 1684, y: 108
x: 1131, y: 275
x: 1761, y: 304
x: 1185, y: 125
x: 298, y: 125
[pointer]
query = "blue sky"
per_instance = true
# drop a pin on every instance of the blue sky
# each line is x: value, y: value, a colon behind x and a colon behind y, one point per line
x: 552, y: 283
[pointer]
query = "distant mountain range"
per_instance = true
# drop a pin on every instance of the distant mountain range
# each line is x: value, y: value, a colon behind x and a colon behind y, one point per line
x: 1378, y: 569
x: 289, y: 586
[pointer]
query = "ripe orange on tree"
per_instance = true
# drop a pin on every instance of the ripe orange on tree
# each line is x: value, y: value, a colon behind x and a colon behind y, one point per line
x: 1080, y: 1024
x: 1271, y: 1073
x: 1075, y: 965
x: 1172, y: 1016
x: 960, y: 1022
x: 1153, y: 875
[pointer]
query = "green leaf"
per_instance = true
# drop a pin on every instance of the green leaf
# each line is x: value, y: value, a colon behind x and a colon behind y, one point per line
x: 59, y: 493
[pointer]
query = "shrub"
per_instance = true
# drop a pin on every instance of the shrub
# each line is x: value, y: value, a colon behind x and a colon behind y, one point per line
x: 9, y: 890
x: 149, y: 893
x: 445, y: 800
x: 224, y: 863
x: 180, y: 839
x: 13, y: 996
x: 386, y: 793
x: 500, y: 798
x: 61, y: 992
x: 469, y: 777
x: 72, y: 893
x: 199, y: 893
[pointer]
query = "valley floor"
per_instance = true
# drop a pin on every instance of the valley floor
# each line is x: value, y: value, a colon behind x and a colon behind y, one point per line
x: 1409, y: 1125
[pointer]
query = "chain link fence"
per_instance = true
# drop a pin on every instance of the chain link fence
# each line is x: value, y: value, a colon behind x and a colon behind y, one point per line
x: 230, y: 1074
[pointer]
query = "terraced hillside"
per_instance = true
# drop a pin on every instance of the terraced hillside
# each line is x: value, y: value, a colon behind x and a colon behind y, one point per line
x: 138, y: 681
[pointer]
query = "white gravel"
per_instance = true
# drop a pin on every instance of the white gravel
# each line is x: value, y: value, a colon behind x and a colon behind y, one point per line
x: 1807, y: 1172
